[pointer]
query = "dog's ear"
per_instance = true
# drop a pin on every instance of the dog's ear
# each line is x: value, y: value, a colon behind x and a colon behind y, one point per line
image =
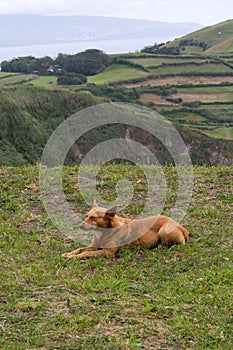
x: 111, y: 212
x: 95, y: 204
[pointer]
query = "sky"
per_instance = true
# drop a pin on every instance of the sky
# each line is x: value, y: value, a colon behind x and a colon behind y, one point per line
x: 205, y: 12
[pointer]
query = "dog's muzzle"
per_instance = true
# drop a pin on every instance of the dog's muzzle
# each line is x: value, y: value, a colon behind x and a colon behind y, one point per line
x: 85, y: 226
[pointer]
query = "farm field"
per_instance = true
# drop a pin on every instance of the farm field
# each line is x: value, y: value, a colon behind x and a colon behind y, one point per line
x: 224, y: 133
x: 177, y: 298
x: 6, y: 74
x: 14, y: 78
x: 191, y: 68
x: 17, y: 78
x: 44, y: 81
x: 200, y: 86
x: 117, y: 72
x: 205, y: 97
x: 181, y: 80
x: 159, y: 60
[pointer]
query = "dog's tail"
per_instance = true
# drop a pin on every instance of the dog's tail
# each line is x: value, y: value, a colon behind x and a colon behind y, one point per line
x: 185, y: 232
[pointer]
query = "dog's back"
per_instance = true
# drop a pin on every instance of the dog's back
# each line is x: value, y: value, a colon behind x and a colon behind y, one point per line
x: 147, y: 232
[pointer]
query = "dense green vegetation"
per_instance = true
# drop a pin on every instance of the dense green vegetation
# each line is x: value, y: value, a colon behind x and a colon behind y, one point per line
x: 178, y: 298
x: 71, y: 79
x: 29, y: 115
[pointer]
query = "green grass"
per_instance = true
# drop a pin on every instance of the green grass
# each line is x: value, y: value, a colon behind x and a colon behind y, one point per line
x: 205, y: 68
x: 178, y: 298
x: 207, y: 89
x: 215, y: 36
x: 44, y: 81
x: 15, y: 78
x: 156, y: 61
x: 3, y: 75
x: 220, y: 133
x: 116, y: 72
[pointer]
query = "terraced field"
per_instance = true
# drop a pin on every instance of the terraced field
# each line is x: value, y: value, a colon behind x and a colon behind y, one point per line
x: 185, y: 85
x: 158, y: 60
x: 117, y: 72
x: 44, y: 81
x: 181, y: 80
x: 10, y: 79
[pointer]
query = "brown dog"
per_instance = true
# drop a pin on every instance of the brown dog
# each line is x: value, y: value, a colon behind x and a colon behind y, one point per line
x: 116, y: 232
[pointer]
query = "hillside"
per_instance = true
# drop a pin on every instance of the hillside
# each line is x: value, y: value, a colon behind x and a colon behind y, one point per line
x: 29, y: 115
x: 178, y: 298
x: 212, y: 39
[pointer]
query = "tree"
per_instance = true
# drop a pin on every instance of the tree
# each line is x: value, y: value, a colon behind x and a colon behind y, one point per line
x: 71, y: 79
x: 88, y: 62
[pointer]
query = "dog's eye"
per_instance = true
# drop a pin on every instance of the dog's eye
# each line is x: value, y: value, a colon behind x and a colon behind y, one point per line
x: 92, y: 217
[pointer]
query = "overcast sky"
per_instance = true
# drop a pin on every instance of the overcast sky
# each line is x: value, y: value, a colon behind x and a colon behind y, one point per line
x: 205, y: 12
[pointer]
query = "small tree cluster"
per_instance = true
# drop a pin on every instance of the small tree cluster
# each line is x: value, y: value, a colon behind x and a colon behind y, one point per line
x: 88, y: 62
x: 71, y: 79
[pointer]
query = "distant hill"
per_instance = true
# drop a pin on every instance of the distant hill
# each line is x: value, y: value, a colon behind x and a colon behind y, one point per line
x: 20, y: 30
x: 217, y: 38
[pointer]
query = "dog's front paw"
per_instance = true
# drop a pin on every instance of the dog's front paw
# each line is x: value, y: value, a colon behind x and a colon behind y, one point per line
x: 68, y: 255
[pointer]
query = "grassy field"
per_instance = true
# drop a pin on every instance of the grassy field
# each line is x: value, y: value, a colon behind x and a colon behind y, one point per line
x: 182, y: 80
x: 44, y: 81
x: 116, y: 72
x: 217, y: 37
x: 211, y: 97
x: 15, y: 78
x: 223, y: 133
x: 158, y: 60
x: 177, y: 298
x: 207, y: 89
x: 3, y: 75
x: 189, y: 69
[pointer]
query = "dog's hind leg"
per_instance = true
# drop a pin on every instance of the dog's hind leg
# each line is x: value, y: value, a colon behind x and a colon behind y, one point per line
x: 169, y: 238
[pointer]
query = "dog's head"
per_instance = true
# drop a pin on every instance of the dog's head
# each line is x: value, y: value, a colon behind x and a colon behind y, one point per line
x: 98, y: 218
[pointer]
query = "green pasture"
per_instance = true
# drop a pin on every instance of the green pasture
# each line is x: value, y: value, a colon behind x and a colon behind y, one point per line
x: 14, y: 78
x: 116, y: 72
x: 220, y: 133
x: 156, y: 61
x: 44, y: 81
x: 3, y: 75
x: 189, y: 69
x: 207, y: 89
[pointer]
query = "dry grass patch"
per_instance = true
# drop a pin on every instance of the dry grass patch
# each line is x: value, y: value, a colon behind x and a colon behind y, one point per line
x: 204, y: 97
x: 181, y: 80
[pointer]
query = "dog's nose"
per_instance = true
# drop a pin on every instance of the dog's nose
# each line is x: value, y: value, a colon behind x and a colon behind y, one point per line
x: 85, y: 226
x: 82, y: 224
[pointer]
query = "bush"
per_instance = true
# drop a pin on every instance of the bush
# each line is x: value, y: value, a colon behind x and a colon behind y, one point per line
x: 176, y: 100
x: 88, y: 62
x: 71, y: 79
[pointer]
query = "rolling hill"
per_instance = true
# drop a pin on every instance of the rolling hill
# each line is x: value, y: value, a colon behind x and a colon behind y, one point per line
x: 215, y: 39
